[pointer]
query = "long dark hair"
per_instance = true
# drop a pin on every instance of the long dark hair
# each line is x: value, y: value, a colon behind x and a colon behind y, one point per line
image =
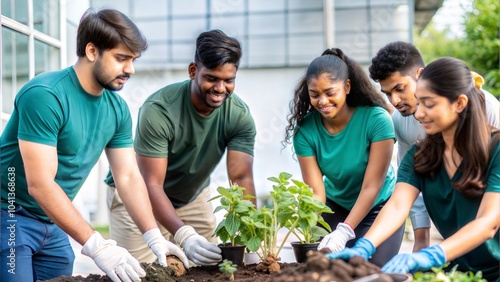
x: 340, y: 68
x: 449, y: 78
x: 106, y: 29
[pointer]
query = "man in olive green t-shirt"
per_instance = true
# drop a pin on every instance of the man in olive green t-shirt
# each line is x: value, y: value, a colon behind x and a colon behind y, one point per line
x: 183, y: 131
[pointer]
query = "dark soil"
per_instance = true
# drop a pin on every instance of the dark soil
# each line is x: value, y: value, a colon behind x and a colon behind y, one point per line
x: 317, y: 268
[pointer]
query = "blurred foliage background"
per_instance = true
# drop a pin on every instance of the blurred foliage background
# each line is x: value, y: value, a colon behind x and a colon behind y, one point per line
x: 478, y: 46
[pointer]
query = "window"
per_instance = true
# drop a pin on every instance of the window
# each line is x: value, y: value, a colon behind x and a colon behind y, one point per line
x: 31, y: 44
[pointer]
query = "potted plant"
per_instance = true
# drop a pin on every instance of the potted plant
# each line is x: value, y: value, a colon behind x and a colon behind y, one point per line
x: 293, y: 207
x: 232, y: 230
x: 307, y: 218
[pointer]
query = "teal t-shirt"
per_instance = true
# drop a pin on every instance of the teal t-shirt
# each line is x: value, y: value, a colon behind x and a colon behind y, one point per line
x: 54, y: 109
x: 170, y: 127
x: 343, y: 157
x: 450, y: 210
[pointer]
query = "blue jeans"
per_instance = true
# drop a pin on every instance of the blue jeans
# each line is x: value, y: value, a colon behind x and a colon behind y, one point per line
x: 32, y: 249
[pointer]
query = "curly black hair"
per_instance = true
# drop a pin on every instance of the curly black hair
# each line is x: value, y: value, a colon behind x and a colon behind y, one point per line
x: 393, y: 57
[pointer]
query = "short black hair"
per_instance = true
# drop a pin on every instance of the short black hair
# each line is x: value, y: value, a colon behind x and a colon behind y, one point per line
x: 393, y: 57
x: 214, y: 48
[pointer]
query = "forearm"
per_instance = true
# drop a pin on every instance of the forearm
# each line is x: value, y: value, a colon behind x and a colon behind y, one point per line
x: 468, y: 238
x: 163, y: 209
x: 136, y: 201
x: 362, y: 207
x: 58, y: 207
x: 248, y: 183
x: 390, y: 218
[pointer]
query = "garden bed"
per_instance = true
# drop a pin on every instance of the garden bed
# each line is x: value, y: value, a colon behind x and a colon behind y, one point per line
x: 317, y: 268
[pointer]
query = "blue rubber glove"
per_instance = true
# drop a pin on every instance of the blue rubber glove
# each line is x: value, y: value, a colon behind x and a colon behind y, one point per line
x: 363, y: 248
x: 424, y: 259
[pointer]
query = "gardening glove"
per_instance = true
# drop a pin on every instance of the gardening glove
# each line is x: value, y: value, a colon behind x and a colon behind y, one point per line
x: 363, y: 248
x: 115, y: 261
x: 196, y: 247
x: 424, y: 259
x: 163, y: 248
x: 336, y: 240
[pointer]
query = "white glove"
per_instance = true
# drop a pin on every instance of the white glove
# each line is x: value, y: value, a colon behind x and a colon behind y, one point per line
x: 115, y: 261
x: 196, y: 247
x: 336, y: 240
x: 163, y: 248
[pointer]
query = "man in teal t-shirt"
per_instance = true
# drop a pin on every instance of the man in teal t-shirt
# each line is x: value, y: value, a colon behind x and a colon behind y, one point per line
x: 61, y: 123
x: 183, y: 131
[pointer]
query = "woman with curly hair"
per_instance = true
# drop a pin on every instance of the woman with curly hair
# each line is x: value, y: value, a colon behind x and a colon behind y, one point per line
x: 457, y: 170
x: 344, y: 138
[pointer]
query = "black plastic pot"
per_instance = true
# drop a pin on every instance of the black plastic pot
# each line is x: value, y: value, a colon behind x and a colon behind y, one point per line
x: 300, y: 250
x: 233, y: 253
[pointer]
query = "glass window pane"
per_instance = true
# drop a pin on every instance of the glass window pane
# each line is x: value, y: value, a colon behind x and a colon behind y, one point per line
x: 222, y: 8
x: 265, y: 5
x: 184, y: 8
x: 266, y: 51
x: 47, y: 58
x: 305, y: 22
x: 15, y: 66
x: 16, y: 10
x: 266, y: 24
x: 301, y: 5
x: 46, y: 17
x: 304, y: 48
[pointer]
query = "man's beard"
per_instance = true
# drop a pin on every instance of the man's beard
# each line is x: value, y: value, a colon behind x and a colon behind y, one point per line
x: 105, y: 81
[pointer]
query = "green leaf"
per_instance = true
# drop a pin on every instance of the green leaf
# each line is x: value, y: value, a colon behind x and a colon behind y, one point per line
x: 274, y: 179
x: 219, y: 208
x: 253, y: 244
x: 232, y: 224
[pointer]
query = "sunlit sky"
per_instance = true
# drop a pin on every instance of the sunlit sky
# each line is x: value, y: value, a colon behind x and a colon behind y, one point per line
x: 451, y: 15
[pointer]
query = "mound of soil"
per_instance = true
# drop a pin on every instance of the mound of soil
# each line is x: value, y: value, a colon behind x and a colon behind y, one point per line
x: 317, y: 268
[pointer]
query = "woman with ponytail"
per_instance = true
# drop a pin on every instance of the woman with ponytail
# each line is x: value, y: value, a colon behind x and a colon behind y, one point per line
x: 343, y: 137
x: 457, y: 169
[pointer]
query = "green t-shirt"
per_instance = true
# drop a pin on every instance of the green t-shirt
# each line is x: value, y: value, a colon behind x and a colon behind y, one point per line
x: 450, y: 210
x: 343, y: 157
x: 170, y: 127
x: 54, y: 109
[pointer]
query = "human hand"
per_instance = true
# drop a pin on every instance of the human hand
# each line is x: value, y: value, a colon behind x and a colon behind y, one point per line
x: 196, y: 247
x: 424, y: 259
x: 115, y: 261
x: 163, y: 248
x: 363, y: 248
x: 336, y: 240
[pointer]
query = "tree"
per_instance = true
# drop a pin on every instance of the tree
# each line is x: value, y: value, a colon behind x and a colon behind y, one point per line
x: 482, y: 42
x: 479, y: 48
x: 434, y: 44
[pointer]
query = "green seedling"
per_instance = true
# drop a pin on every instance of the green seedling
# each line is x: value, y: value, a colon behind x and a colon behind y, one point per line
x: 227, y: 267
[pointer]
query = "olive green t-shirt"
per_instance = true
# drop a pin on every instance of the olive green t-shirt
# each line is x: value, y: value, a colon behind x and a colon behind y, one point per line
x: 450, y: 210
x: 343, y: 157
x: 170, y: 127
x: 53, y: 109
